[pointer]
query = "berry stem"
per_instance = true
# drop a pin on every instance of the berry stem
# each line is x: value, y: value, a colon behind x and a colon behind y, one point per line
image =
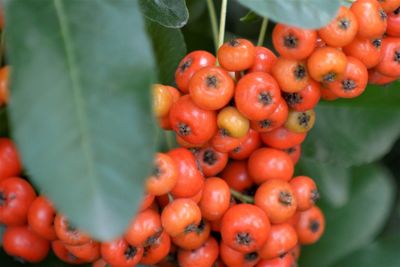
x: 213, y: 19
x: 263, y: 30
x: 222, y: 21
x: 241, y: 197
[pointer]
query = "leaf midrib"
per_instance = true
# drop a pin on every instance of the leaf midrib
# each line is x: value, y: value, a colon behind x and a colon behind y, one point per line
x: 77, y: 91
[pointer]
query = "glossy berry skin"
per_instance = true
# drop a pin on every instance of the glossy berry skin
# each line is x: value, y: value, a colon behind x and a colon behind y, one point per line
x: 276, y: 198
x: 59, y: 249
x: 237, y: 176
x: 257, y: 95
x: 264, y: 60
x: 236, y: 258
x: 190, y: 180
x: 157, y: 251
x: 10, y: 163
x: 68, y: 233
x: 389, y: 64
x: 211, y: 88
x: 341, y: 30
x: 236, y: 55
x: 41, y: 216
x: 276, y: 119
x: 370, y: 17
x: 368, y: 51
x: 148, y: 199
x: 4, y: 91
x: 327, y: 94
x: 195, y: 125
x: 282, y: 138
x: 305, y: 191
x: 165, y: 175
x: 232, y: 122
x: 393, y: 24
x: 205, y: 255
x: 245, y: 228
x: 194, y: 239
x: 120, y: 253
x: 180, y: 216
x: 22, y: 243
x: 247, y: 146
x: 292, y: 42
x: 281, y: 240
x: 162, y: 100
x: 389, y: 5
x: 16, y: 196
x: 88, y: 252
x: 268, y: 163
x: 291, y: 75
x: 224, y: 143
x: 353, y: 82
x: 305, y: 99
x: 216, y: 199
x: 189, y: 65
x: 144, y: 229
x: 300, y: 121
x: 211, y: 161
x: 375, y: 77
x: 286, y: 261
x: 310, y: 226
x: 326, y: 64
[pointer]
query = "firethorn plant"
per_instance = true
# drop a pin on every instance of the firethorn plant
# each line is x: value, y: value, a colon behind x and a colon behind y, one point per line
x: 225, y: 188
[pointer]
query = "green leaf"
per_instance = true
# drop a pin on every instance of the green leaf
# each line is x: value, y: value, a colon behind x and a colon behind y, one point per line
x: 309, y: 14
x: 333, y: 181
x: 384, y: 252
x: 250, y: 17
x: 352, y: 226
x: 80, y: 106
x: 169, y: 13
x: 356, y: 131
x: 169, y: 48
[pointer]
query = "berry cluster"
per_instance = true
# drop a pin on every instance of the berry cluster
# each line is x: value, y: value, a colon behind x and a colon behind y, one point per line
x: 227, y: 195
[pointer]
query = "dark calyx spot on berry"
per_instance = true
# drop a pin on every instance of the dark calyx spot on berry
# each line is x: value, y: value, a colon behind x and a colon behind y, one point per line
x: 251, y: 256
x: 285, y: 198
x: 304, y: 119
x: 71, y: 228
x: 237, y: 149
x: 397, y: 56
x: 314, y: 226
x: 153, y: 238
x: 290, y: 41
x: 349, y: 85
x: 329, y: 77
x: 377, y: 43
x: 210, y: 157
x: 265, y: 98
x: 72, y: 257
x: 283, y: 254
x: 3, y: 199
x: 130, y: 252
x: 265, y: 124
x: 200, y: 228
x: 157, y: 171
x: 243, y: 239
x: 397, y: 11
x: 382, y: 14
x: 212, y: 81
x: 234, y: 42
x: 315, y: 195
x: 344, y: 24
x: 292, y: 99
x: 300, y: 72
x: 19, y: 260
x: 186, y: 64
x: 290, y: 150
x: 190, y: 228
x: 224, y: 132
x: 184, y: 129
